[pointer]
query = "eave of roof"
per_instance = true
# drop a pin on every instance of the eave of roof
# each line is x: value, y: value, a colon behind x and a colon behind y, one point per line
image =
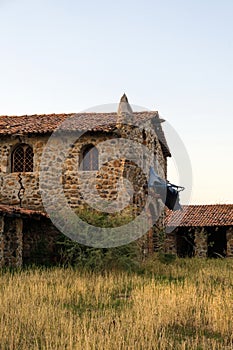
x: 201, y: 216
x: 47, y: 123
x: 13, y: 211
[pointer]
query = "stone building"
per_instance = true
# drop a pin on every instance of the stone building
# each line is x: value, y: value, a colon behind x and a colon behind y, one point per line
x: 26, y: 236
x: 200, y: 230
x: 89, y: 169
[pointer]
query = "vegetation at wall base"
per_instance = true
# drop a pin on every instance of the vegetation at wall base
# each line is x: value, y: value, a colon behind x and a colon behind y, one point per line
x: 126, y: 257
x: 72, y: 253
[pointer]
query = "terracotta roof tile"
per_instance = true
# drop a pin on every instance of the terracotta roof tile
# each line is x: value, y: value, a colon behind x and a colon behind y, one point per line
x: 201, y: 215
x: 47, y: 123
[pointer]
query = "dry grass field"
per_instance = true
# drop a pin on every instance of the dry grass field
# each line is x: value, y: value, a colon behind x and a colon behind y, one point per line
x: 187, y: 304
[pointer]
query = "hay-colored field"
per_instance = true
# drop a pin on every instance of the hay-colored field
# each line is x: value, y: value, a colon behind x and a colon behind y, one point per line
x: 185, y: 305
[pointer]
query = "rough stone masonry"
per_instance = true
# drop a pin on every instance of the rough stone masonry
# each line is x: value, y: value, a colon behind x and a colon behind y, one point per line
x: 101, y: 131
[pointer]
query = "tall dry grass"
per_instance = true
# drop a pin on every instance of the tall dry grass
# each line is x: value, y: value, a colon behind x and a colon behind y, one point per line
x: 185, y: 305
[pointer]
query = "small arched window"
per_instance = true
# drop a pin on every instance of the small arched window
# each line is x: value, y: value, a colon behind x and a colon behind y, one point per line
x: 90, y: 158
x: 22, y: 159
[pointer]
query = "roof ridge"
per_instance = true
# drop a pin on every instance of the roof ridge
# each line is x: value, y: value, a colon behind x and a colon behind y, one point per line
x: 72, y: 113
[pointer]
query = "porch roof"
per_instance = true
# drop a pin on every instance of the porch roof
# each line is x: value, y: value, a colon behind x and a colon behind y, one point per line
x: 201, y: 216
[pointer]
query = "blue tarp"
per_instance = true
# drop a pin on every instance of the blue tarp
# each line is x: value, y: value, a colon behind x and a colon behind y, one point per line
x: 168, y: 192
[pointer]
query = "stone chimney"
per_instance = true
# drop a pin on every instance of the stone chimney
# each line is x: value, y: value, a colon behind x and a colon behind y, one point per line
x: 124, y: 112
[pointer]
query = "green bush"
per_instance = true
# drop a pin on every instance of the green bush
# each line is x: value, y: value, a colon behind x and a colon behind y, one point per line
x: 125, y: 257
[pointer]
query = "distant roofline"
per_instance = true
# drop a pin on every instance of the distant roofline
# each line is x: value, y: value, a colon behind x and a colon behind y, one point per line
x: 201, y: 215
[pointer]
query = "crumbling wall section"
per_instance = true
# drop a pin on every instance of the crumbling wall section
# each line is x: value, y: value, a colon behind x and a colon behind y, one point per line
x: 170, y: 243
x: 10, y: 241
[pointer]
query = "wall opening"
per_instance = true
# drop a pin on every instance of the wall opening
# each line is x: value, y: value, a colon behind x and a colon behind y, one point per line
x: 89, y: 158
x: 144, y: 137
x: 22, y: 159
x: 185, y: 242
x: 217, y: 242
x: 39, y: 242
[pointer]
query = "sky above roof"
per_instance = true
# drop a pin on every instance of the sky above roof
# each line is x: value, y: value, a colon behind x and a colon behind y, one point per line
x: 172, y: 56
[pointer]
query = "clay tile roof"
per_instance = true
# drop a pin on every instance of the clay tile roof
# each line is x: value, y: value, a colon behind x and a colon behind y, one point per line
x: 47, y: 123
x: 201, y: 215
x: 8, y: 210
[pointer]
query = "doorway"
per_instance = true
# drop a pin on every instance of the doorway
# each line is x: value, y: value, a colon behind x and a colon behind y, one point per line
x: 217, y: 242
x: 185, y: 245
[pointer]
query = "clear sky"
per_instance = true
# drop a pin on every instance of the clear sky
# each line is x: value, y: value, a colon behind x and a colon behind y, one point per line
x: 172, y: 56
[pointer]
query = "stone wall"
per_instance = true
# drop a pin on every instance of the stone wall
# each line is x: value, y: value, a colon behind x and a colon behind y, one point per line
x: 120, y: 182
x: 200, y: 241
x: 10, y: 241
x: 27, y: 240
x: 229, y: 237
x: 78, y: 187
x: 201, y: 234
x: 20, y: 189
x: 170, y: 243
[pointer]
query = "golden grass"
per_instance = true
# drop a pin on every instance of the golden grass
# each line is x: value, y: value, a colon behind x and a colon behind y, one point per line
x: 185, y: 305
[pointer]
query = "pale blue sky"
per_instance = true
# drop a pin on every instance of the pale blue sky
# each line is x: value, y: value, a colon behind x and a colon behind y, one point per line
x: 172, y: 56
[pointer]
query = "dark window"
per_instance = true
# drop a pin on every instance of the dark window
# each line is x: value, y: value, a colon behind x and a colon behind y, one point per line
x: 22, y: 159
x: 185, y: 242
x: 217, y: 242
x: 143, y: 137
x: 90, y: 158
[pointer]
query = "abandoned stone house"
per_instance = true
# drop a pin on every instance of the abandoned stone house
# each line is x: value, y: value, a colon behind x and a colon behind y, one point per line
x: 90, y: 170
x: 23, y: 218
x: 200, y: 230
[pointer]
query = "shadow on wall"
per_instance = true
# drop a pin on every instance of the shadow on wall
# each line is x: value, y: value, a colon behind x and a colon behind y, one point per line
x: 216, y: 242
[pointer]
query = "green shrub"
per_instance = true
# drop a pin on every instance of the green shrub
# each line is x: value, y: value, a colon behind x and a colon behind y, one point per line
x: 125, y: 257
x: 166, y: 258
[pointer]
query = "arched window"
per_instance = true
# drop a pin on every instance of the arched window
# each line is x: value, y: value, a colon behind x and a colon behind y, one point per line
x: 90, y: 158
x: 22, y: 159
